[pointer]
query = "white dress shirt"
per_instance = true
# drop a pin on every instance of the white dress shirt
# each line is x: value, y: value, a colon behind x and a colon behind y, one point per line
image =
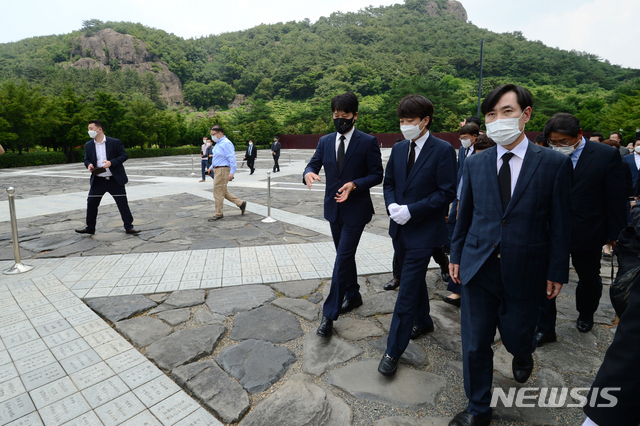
x: 347, y: 138
x: 515, y: 164
x: 636, y: 157
x: 101, y: 154
x: 419, y: 144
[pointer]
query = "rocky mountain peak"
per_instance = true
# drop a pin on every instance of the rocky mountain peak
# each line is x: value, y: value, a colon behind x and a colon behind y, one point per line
x: 454, y: 8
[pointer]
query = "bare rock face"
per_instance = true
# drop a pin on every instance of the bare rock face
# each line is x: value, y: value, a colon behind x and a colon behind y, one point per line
x: 99, y: 50
x: 432, y: 8
x: 238, y: 101
x: 457, y: 10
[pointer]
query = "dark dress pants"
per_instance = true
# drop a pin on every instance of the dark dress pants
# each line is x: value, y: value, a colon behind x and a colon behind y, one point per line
x: 412, y: 304
x: 250, y: 162
x: 344, y: 280
x: 485, y: 306
x: 100, y: 187
x: 588, y: 293
x: 203, y: 168
x: 276, y: 166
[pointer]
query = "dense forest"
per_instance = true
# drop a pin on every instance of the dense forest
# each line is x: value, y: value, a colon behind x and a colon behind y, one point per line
x: 288, y: 72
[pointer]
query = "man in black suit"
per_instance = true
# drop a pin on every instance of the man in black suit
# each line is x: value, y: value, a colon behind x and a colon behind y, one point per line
x: 352, y: 165
x: 275, y: 151
x: 598, y: 203
x: 419, y: 184
x: 250, y: 156
x: 510, y: 247
x: 109, y: 154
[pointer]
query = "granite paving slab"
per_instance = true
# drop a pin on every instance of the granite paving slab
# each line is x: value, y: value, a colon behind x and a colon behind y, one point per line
x: 266, y: 323
x: 377, y: 303
x: 356, y: 329
x: 322, y: 354
x: 185, y: 298
x: 175, y: 317
x: 412, y: 421
x: 226, y: 301
x: 184, y: 346
x: 296, y: 289
x: 300, y: 307
x: 143, y: 331
x: 414, y: 355
x: 116, y: 308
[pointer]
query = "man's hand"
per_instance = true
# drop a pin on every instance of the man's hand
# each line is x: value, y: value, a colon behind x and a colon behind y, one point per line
x: 553, y: 289
x: 106, y: 164
x: 454, y: 272
x: 310, y: 177
x: 613, y: 244
x: 273, y: 152
x: 343, y: 193
x: 230, y: 177
x: 90, y: 167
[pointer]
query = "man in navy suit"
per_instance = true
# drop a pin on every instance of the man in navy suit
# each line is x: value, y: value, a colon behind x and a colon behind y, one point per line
x: 352, y: 164
x: 419, y: 185
x: 598, y: 202
x: 108, y: 153
x: 634, y: 162
x: 510, y: 246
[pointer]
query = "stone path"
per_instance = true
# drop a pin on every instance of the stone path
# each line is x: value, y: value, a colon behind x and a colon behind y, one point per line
x: 213, y: 325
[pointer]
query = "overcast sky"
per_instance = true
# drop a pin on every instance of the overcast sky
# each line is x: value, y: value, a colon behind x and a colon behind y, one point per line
x: 607, y: 28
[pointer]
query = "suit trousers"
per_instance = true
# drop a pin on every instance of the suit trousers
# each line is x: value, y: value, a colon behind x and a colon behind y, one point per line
x: 438, y: 255
x: 276, y: 166
x: 203, y: 167
x: 220, y: 192
x: 344, y: 280
x: 588, y: 293
x: 412, y: 304
x: 100, y: 187
x: 250, y: 162
x: 485, y: 305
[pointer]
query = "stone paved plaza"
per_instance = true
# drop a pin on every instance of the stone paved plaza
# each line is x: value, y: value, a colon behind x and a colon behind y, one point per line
x: 199, y: 323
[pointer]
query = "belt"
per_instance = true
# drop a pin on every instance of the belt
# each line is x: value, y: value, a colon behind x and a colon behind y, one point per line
x: 219, y: 167
x: 104, y: 177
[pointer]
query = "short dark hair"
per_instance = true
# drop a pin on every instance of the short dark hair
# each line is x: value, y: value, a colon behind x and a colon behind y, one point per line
x: 616, y: 133
x: 564, y: 123
x: 412, y: 106
x: 470, y: 129
x: 600, y: 136
x: 97, y: 123
x: 612, y: 143
x: 277, y: 138
x: 208, y: 138
x: 217, y: 128
x: 541, y: 140
x: 346, y: 102
x: 525, y: 99
x: 475, y: 120
x: 483, y: 142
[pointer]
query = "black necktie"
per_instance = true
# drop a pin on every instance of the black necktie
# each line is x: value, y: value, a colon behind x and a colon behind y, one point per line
x: 412, y: 158
x: 466, y: 154
x: 504, y: 180
x: 341, y: 153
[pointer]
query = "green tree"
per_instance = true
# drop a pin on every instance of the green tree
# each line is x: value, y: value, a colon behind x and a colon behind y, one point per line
x: 67, y: 120
x: 23, y: 110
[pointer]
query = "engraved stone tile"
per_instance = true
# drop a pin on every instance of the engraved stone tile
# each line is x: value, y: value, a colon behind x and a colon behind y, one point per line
x: 143, y: 419
x: 80, y: 361
x: 155, y: 279
x: 99, y: 292
x: 30, y: 348
x: 125, y: 360
x: 91, y: 327
x: 89, y: 418
x: 52, y: 392
x: 35, y: 361
x: 34, y: 304
x: 65, y: 303
x: 27, y: 296
x: 42, y: 376
x: 18, y: 327
x: 7, y: 371
x: 167, y: 286
x: 7, y: 300
x: 53, y: 327
x: 61, y: 337
x: 102, y: 336
x: 156, y: 390
x: 45, y: 319
x: 40, y: 310
x: 56, y: 297
x: 174, y: 408
x: 11, y: 389
x: 9, y: 311
x: 112, y: 348
x: 200, y: 417
x: 71, y: 348
x: 82, y: 318
x: 15, y: 408
x: 32, y: 419
x: 140, y: 374
x: 91, y: 375
x: 74, y: 310
x: 120, y: 409
x: 145, y: 289
x: 120, y: 291
x: 53, y: 290
x: 105, y: 391
x: 64, y: 410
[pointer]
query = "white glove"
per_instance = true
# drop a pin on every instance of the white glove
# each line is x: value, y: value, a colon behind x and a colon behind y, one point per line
x: 393, y: 209
x: 401, y: 215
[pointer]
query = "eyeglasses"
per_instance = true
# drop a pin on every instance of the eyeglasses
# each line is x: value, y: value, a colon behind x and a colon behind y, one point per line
x: 563, y: 142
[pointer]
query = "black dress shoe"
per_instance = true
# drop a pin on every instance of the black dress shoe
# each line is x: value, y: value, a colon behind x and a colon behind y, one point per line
x: 584, y: 326
x: 350, y: 304
x: 85, y: 231
x: 454, y: 302
x: 466, y: 419
x: 392, y: 284
x: 132, y: 231
x: 243, y: 207
x: 388, y: 366
x: 542, y: 338
x: 445, y: 277
x: 213, y: 219
x: 522, y: 368
x: 417, y: 331
x: 325, y: 328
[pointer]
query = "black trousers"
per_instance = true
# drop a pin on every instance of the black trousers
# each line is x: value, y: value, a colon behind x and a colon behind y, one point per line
x: 276, y: 166
x: 98, y: 189
x: 438, y: 254
x: 250, y: 162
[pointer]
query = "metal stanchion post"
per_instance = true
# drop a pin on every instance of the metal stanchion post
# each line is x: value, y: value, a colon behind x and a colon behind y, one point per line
x: 289, y: 158
x: 269, y: 219
x: 18, y: 268
x: 193, y: 173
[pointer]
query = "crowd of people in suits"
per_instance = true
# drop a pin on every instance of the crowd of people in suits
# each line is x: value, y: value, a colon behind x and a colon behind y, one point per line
x: 512, y: 214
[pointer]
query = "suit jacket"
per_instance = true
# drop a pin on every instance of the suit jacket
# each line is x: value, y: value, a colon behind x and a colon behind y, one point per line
x: 253, y: 155
x: 631, y: 161
x: 427, y: 191
x: 598, y: 197
x: 275, y: 147
x: 461, y: 157
x: 533, y: 232
x: 362, y: 165
x: 115, y: 153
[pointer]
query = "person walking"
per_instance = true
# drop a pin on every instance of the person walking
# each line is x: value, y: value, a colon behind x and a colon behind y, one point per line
x: 250, y: 156
x: 275, y: 150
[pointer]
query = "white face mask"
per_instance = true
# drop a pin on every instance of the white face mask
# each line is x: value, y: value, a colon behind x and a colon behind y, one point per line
x: 466, y: 143
x: 567, y: 150
x: 215, y: 138
x: 637, y: 149
x: 505, y: 131
x: 93, y: 134
x: 411, y: 132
